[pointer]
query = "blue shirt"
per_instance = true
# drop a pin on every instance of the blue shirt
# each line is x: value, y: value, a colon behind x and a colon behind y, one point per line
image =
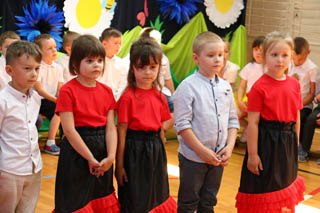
x: 207, y: 107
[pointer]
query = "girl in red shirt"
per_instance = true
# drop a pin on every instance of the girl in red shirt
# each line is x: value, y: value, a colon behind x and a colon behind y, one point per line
x: 84, y: 180
x: 141, y: 165
x: 269, y: 181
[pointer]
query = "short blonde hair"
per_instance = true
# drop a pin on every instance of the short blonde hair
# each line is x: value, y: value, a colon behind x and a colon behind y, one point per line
x: 274, y: 37
x: 204, y: 38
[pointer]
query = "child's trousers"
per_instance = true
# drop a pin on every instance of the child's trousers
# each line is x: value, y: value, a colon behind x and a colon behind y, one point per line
x: 19, y: 193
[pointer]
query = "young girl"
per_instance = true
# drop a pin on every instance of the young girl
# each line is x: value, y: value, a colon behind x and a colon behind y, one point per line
x: 249, y: 75
x: 84, y: 180
x: 269, y: 181
x: 141, y: 166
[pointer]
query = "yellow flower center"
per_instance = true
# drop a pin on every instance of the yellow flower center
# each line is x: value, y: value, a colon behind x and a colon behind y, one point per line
x: 88, y: 12
x: 223, y: 6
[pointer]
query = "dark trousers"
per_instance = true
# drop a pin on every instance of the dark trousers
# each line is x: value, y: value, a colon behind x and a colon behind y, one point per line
x: 308, y: 129
x: 304, y: 113
x: 199, y: 185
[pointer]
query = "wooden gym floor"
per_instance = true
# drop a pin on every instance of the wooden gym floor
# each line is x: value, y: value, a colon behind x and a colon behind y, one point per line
x: 310, y: 171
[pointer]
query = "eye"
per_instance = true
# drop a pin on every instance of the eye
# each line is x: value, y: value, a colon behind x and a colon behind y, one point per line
x: 100, y: 60
x: 274, y: 54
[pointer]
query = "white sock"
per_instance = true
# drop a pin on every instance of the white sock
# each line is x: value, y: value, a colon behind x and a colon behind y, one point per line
x: 50, y: 142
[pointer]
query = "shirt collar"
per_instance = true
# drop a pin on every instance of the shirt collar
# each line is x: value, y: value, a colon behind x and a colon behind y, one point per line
x: 215, y: 78
x: 19, y: 95
x: 44, y: 64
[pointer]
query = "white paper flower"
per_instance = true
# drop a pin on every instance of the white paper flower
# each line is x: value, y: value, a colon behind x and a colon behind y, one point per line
x: 223, y: 13
x: 85, y: 16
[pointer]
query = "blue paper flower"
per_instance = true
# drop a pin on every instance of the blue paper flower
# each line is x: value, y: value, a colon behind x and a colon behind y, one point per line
x: 180, y: 10
x: 42, y: 18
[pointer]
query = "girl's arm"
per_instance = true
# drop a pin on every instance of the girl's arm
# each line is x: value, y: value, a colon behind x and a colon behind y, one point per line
x: 254, y: 162
x: 120, y: 172
x: 298, y: 126
x: 111, y: 143
x: 38, y: 87
x: 67, y: 121
x: 308, y: 99
x: 169, y: 84
x: 240, y: 94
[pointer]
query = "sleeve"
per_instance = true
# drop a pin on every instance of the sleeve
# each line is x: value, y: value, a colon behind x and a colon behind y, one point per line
x: 183, y: 100
x: 65, y: 101
x: 123, y: 109
x: 244, y: 72
x: 165, y: 112
x: 123, y: 80
x: 110, y: 97
x: 313, y: 74
x: 166, y: 67
x: 230, y: 75
x: 299, y: 97
x: 255, y: 99
x: 233, y: 116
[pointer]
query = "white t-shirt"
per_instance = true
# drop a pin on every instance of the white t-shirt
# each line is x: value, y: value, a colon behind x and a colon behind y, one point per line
x: 230, y: 71
x: 50, y: 76
x: 165, y: 74
x: 251, y: 73
x: 307, y: 72
x: 4, y: 77
x: 115, y: 75
x: 63, y: 61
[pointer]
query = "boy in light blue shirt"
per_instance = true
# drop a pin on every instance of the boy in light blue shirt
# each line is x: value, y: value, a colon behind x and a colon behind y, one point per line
x: 206, y: 123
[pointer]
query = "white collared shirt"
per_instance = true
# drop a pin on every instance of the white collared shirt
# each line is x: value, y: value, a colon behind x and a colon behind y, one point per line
x: 19, y: 149
x: 4, y: 77
x: 251, y: 73
x: 230, y: 71
x: 50, y: 76
x: 115, y: 75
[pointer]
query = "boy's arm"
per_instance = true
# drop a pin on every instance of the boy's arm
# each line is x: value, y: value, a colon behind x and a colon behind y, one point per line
x: 308, y: 99
x: 38, y: 87
x: 120, y: 172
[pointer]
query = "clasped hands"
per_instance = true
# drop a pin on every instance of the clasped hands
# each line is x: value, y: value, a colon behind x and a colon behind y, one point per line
x: 99, y: 168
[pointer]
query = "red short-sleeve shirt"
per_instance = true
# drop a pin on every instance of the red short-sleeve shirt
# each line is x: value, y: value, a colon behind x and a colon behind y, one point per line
x: 89, y: 105
x: 277, y: 100
x: 143, y: 109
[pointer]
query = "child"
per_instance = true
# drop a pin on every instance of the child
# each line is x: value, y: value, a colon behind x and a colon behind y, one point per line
x: 141, y: 166
x: 116, y: 69
x: 48, y: 86
x: 84, y: 180
x: 6, y: 39
x: 63, y: 61
x: 20, y: 158
x: 305, y: 71
x: 249, y: 75
x: 269, y: 181
x: 229, y: 70
x: 206, y: 123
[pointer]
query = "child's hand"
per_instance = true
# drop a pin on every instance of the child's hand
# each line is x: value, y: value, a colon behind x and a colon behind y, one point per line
x: 93, y: 165
x: 210, y: 157
x: 242, y: 106
x: 254, y: 164
x: 121, y: 176
x: 105, y: 165
x: 224, y: 155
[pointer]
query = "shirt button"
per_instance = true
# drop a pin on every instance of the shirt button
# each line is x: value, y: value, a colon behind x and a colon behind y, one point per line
x: 219, y: 115
x: 23, y: 96
x: 31, y: 139
x: 219, y: 130
x: 29, y: 121
x: 216, y: 99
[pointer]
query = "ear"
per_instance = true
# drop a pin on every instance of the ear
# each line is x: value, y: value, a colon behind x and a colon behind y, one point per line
x: 68, y: 49
x: 195, y: 58
x: 9, y: 70
x: 104, y: 43
x: 308, y: 52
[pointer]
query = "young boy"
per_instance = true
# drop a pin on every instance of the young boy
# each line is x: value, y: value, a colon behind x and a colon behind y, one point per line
x: 6, y: 39
x: 305, y: 71
x: 63, y: 61
x: 48, y: 86
x: 206, y: 123
x: 115, y: 69
x: 20, y: 158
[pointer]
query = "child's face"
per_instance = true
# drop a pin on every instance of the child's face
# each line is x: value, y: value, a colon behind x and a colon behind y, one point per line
x: 226, y: 52
x: 257, y: 54
x: 299, y: 59
x: 49, y: 50
x: 24, y: 72
x: 278, y: 57
x: 210, y: 58
x: 7, y: 42
x: 112, y: 46
x: 146, y: 75
x: 91, y: 67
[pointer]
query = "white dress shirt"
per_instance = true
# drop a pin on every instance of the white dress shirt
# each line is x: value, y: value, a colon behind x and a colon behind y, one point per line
x: 19, y: 149
x: 63, y: 61
x: 50, y: 76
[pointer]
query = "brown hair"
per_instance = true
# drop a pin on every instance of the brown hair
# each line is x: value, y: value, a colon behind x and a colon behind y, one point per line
x: 42, y: 37
x: 69, y: 37
x: 141, y: 52
x: 300, y: 44
x: 19, y: 48
x: 110, y: 32
x: 85, y: 46
x: 8, y: 34
x: 258, y: 41
x: 202, y: 39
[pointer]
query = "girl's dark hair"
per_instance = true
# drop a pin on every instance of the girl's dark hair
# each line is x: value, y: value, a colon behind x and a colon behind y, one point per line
x: 258, y: 41
x: 141, y: 52
x: 82, y: 47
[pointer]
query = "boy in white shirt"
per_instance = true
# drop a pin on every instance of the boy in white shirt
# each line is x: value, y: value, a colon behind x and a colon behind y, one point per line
x: 116, y: 69
x: 6, y: 38
x: 49, y: 83
x: 63, y: 61
x: 20, y: 157
x: 305, y: 71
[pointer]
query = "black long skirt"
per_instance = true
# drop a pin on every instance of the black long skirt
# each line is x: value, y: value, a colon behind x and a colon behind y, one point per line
x: 278, y: 185
x: 76, y: 189
x: 145, y: 163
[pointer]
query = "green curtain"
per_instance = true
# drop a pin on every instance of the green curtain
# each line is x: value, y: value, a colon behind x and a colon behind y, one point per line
x: 127, y: 39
